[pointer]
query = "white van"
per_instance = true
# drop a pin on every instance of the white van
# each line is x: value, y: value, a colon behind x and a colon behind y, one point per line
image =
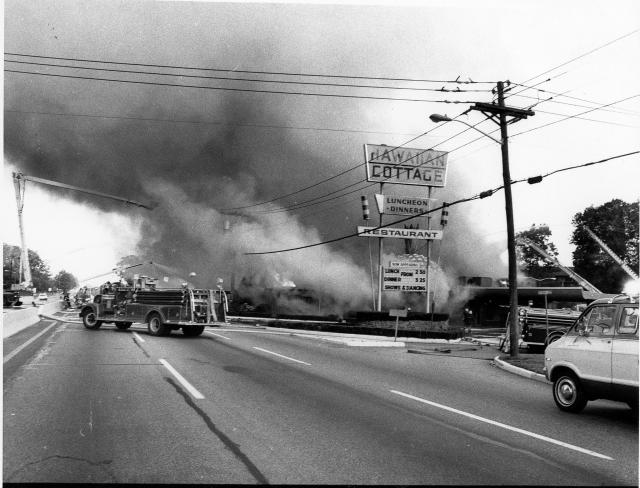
x: 597, y: 357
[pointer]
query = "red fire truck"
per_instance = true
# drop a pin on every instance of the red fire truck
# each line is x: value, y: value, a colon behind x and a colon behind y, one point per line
x: 163, y: 310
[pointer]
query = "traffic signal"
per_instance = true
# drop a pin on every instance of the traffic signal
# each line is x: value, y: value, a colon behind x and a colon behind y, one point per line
x: 444, y: 218
x: 365, y: 207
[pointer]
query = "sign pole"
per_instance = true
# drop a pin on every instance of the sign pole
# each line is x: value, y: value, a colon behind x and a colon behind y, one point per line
x: 428, y: 308
x: 380, y: 247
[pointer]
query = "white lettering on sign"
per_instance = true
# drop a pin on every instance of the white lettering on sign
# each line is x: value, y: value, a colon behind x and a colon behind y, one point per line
x: 405, y: 166
x: 397, y: 233
x: 404, y: 278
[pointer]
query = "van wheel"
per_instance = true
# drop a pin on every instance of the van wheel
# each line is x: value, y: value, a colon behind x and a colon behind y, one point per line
x: 156, y: 327
x: 568, y: 393
x: 123, y: 325
x: 90, y: 321
x: 193, y: 330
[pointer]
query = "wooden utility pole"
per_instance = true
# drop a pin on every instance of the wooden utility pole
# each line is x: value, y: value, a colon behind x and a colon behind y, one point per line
x: 499, y: 113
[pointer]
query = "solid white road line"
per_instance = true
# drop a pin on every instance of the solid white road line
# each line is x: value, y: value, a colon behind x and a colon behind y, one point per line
x: 188, y: 386
x: 281, y: 356
x: 218, y: 335
x: 140, y: 339
x: 504, y: 426
x: 20, y: 348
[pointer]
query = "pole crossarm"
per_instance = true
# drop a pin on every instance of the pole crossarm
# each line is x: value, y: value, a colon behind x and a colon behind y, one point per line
x: 492, y: 109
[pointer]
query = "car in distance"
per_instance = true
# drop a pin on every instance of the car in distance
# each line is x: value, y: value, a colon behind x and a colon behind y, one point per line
x: 597, y: 357
x: 43, y: 296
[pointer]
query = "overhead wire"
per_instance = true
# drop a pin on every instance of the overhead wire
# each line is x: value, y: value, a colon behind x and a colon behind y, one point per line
x: 484, y: 194
x: 313, y: 201
x: 246, y: 90
x: 252, y: 80
x: 199, y: 122
x: 234, y: 70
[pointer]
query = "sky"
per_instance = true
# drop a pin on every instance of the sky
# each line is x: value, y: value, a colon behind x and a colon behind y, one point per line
x: 192, y: 152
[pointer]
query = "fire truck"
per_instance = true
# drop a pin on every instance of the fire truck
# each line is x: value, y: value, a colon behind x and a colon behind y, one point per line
x: 163, y: 310
x: 540, y: 327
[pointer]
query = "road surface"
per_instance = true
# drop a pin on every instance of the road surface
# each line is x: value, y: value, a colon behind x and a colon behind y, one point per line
x: 247, y: 405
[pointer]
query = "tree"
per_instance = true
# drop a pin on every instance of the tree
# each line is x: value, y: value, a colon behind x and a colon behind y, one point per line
x: 40, y: 274
x: 615, y: 223
x: 65, y: 281
x: 529, y: 260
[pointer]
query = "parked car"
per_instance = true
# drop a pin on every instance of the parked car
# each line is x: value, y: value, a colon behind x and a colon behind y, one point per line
x: 597, y: 357
x: 43, y: 296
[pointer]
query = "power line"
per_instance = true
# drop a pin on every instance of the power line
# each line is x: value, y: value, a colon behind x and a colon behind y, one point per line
x: 251, y: 90
x: 575, y: 115
x: 564, y: 95
x: 586, y: 118
x: 480, y: 195
x: 583, y: 55
x: 198, y: 122
x: 252, y: 80
x: 457, y: 80
x: 313, y: 201
x: 280, y: 197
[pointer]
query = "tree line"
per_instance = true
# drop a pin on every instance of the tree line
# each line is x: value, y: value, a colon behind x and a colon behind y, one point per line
x: 40, y: 272
x: 615, y: 223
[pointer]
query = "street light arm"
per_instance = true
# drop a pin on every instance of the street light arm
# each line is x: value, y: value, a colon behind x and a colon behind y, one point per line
x: 443, y: 118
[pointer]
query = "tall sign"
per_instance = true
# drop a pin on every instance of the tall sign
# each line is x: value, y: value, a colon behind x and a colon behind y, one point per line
x: 405, y: 166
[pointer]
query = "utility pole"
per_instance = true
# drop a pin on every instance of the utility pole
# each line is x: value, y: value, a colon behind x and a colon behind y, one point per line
x: 499, y: 113
x: 380, y: 250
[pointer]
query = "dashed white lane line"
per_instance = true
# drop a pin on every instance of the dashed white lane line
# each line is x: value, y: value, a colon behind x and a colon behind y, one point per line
x: 138, y: 338
x: 281, y: 356
x: 504, y: 426
x: 218, y: 335
x: 22, y: 346
x: 188, y: 386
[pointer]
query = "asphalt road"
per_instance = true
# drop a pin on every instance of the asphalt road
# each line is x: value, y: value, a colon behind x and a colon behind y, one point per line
x: 252, y: 406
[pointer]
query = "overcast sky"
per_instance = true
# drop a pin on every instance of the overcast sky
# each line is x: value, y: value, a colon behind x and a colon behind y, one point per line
x: 194, y: 151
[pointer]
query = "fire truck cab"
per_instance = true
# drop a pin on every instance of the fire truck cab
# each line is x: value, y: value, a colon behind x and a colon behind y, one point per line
x: 163, y: 310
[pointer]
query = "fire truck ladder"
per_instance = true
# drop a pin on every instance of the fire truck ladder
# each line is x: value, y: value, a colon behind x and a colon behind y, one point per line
x: 613, y: 255
x: 579, y: 279
x: 19, y: 182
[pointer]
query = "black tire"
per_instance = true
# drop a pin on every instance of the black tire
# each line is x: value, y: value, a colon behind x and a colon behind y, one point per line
x: 90, y: 321
x: 568, y: 393
x: 193, y: 330
x: 123, y: 325
x: 156, y: 327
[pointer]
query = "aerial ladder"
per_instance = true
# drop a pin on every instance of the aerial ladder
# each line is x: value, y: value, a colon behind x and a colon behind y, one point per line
x: 19, y: 183
x: 579, y: 279
x: 613, y: 255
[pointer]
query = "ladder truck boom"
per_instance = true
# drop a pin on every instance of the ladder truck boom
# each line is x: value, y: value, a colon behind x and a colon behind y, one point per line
x: 613, y: 255
x: 579, y: 279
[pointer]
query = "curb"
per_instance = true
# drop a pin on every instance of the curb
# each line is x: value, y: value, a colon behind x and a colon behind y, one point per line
x: 519, y: 371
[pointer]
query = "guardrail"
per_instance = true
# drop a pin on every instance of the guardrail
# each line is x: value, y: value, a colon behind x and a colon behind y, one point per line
x: 13, y: 321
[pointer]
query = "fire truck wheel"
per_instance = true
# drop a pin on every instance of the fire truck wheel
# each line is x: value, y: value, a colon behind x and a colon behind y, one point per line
x: 156, y: 327
x: 90, y: 321
x: 123, y: 325
x: 193, y: 330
